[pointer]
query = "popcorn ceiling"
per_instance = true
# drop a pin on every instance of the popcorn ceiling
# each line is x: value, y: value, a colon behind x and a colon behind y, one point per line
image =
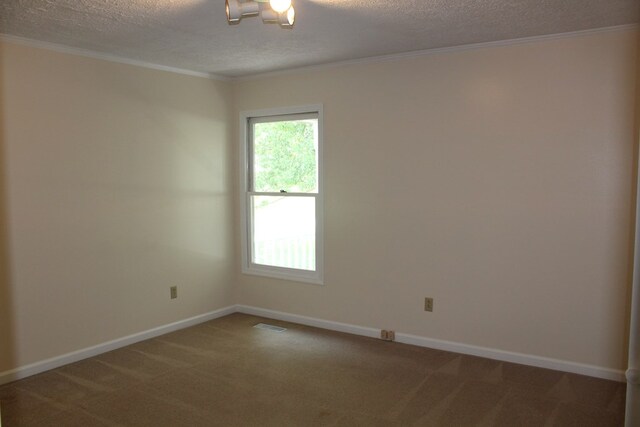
x: 194, y: 34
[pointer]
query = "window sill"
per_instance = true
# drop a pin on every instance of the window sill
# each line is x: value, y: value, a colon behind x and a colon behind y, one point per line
x: 312, y: 278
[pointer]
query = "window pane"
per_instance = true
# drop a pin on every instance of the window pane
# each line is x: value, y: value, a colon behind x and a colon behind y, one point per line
x: 285, y: 156
x: 284, y: 231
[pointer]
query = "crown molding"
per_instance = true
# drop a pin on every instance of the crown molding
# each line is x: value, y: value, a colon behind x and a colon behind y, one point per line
x: 368, y: 60
x: 435, y: 51
x: 106, y: 57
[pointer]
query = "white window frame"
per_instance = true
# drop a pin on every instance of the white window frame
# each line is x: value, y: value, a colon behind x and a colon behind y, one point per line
x: 248, y: 267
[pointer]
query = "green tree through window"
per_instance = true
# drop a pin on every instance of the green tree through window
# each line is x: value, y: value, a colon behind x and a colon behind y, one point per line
x: 285, y: 157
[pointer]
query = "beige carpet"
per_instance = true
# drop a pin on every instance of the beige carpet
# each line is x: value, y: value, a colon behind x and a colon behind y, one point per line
x: 227, y: 373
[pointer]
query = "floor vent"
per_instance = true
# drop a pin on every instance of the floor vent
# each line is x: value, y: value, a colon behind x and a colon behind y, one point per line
x: 270, y: 327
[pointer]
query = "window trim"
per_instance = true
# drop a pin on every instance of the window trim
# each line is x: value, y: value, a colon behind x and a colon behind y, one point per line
x: 314, y: 277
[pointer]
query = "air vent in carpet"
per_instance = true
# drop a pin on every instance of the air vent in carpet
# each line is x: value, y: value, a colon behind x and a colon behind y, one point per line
x: 270, y: 327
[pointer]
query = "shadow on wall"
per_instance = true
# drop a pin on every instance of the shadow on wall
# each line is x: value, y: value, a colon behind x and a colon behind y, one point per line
x: 633, y: 198
x: 632, y: 412
x: 7, y: 335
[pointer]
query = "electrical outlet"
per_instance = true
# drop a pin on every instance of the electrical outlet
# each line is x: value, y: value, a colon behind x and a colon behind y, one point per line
x: 174, y: 292
x: 428, y: 304
x: 387, y: 335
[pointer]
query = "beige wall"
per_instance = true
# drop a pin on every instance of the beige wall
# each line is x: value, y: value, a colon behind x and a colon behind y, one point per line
x: 116, y: 184
x: 498, y: 181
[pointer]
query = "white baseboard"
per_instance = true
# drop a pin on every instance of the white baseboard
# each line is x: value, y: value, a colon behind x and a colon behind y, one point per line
x: 489, y: 353
x: 65, y: 359
x: 310, y: 321
x: 509, y: 356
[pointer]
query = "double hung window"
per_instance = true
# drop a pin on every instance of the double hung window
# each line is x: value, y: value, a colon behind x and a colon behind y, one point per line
x: 282, y: 193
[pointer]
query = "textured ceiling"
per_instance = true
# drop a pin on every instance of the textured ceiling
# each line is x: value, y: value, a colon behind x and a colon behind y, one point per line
x: 194, y: 34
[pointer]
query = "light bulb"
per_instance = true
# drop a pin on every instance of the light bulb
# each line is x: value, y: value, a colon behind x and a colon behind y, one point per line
x: 280, y: 6
x: 287, y: 18
x: 291, y: 15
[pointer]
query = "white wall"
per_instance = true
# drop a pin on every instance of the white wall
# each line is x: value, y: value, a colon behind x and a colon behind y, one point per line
x: 497, y: 181
x: 116, y: 184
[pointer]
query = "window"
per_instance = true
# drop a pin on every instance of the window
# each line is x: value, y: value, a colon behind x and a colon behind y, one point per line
x: 281, y: 197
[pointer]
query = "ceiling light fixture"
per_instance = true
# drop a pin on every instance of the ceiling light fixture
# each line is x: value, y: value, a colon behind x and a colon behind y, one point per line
x: 279, y: 12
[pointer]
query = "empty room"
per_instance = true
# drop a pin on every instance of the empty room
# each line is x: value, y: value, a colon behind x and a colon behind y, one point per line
x: 319, y: 212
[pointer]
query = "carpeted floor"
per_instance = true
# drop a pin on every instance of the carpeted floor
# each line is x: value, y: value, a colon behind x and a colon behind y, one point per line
x: 227, y: 373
